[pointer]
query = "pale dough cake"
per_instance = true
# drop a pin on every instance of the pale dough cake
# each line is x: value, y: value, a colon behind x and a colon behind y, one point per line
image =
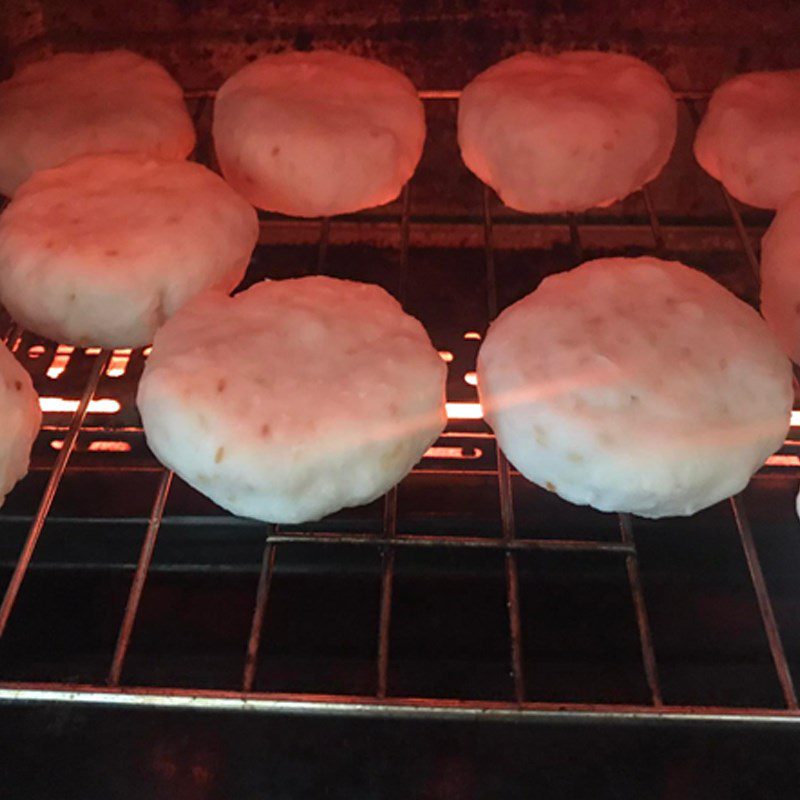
x: 749, y: 138
x: 76, y: 103
x: 294, y: 398
x: 780, y: 276
x: 566, y: 132
x: 317, y: 134
x: 21, y: 418
x: 635, y: 385
x: 101, y: 250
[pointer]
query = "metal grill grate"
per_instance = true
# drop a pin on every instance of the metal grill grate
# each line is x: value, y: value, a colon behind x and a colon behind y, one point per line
x: 389, y: 539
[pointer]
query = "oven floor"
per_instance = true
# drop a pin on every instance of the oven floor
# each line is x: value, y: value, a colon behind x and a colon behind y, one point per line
x: 79, y: 751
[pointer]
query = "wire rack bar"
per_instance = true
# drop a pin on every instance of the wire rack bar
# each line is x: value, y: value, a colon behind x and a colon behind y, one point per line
x: 515, y: 625
x: 139, y: 578
x: 743, y: 528
x: 512, y: 578
x: 389, y: 523
x: 652, y: 218
x: 626, y: 528
x: 640, y: 609
x: 488, y: 247
x: 774, y: 640
x: 259, y: 611
x: 443, y: 540
x: 21, y: 568
x: 387, y: 582
x: 203, y: 147
x: 405, y: 229
x: 395, y: 707
x: 505, y: 491
x: 270, y: 552
x: 322, y: 244
x: 575, y: 238
x: 741, y: 231
x: 450, y: 94
x: 744, y: 238
x: 13, y: 337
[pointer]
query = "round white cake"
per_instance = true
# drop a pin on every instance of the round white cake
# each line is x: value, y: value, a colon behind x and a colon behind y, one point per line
x: 317, y: 134
x: 21, y: 415
x: 77, y: 103
x: 780, y: 276
x: 101, y: 250
x: 635, y: 385
x: 566, y: 132
x: 294, y: 398
x: 749, y: 138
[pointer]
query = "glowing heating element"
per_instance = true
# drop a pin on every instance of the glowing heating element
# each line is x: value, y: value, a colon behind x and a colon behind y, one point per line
x: 101, y: 405
x: 98, y: 446
x: 60, y: 361
x: 464, y: 411
x: 474, y: 411
x: 118, y: 363
x: 781, y: 460
x: 109, y: 446
x: 453, y: 452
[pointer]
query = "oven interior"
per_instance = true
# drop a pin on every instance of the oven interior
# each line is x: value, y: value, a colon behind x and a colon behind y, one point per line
x: 467, y: 592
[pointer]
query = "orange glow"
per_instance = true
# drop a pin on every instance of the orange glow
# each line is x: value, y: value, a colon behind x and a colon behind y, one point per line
x: 60, y: 361
x: 35, y: 351
x: 464, y: 411
x: 92, y: 351
x: 471, y: 378
x: 146, y: 352
x: 102, y: 405
x: 98, y: 446
x: 109, y: 446
x: 472, y: 335
x: 446, y: 355
x: 118, y: 362
x: 783, y: 461
x: 453, y: 452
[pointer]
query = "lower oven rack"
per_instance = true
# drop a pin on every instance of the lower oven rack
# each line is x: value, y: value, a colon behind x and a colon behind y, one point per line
x: 389, y: 540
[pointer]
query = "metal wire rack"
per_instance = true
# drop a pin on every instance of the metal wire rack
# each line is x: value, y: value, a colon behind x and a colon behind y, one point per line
x: 388, y: 540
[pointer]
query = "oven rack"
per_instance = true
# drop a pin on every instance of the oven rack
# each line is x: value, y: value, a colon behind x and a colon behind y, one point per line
x: 389, y: 540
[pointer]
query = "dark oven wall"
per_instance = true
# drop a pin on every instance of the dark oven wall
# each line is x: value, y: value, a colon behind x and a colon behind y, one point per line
x: 439, y: 44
